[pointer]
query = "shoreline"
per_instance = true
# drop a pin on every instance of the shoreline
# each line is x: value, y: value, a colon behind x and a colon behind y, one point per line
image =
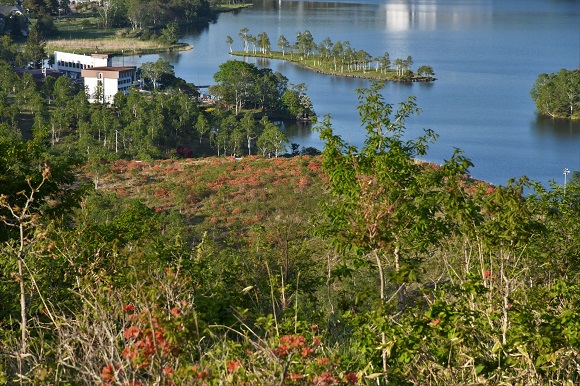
x: 111, y: 46
x: 370, y: 74
x: 123, y: 45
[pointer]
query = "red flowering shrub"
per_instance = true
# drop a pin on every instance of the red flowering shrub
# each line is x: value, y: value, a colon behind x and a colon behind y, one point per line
x: 351, y: 377
x: 232, y: 366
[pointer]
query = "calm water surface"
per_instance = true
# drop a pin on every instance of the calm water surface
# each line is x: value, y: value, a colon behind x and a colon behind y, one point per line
x: 486, y: 55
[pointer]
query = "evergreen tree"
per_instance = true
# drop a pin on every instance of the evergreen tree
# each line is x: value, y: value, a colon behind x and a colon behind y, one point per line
x: 34, y: 51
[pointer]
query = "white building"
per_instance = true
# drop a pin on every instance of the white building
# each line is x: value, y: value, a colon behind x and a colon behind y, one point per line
x: 102, y: 83
x: 71, y: 65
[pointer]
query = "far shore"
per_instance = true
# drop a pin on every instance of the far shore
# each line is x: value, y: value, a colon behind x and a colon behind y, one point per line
x: 88, y: 39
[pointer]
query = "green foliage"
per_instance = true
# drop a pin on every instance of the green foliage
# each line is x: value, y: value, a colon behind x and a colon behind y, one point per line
x: 155, y: 70
x: 8, y: 49
x: 558, y: 95
x: 242, y: 85
x: 383, y: 197
x: 272, y: 141
x: 337, y: 58
x: 234, y: 81
x: 34, y: 52
x: 190, y: 271
x: 298, y: 103
x: 140, y: 15
x: 25, y: 163
x: 170, y: 34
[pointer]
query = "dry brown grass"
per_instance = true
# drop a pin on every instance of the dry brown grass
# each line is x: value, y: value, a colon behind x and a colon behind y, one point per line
x: 113, y: 45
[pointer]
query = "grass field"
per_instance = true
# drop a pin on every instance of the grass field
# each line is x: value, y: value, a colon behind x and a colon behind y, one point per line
x: 112, y: 45
x: 82, y: 35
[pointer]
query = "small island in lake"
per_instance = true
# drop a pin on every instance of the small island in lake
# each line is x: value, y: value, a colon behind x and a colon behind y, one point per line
x: 558, y: 95
x: 330, y: 58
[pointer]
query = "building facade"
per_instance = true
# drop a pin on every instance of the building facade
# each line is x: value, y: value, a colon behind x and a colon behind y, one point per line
x: 72, y: 65
x: 102, y: 83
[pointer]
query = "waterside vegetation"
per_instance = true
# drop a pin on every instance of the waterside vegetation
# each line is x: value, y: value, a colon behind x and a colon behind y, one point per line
x: 122, y: 26
x: 557, y: 95
x: 326, y: 57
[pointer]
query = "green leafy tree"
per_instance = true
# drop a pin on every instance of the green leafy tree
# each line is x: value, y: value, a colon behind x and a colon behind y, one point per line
x: 170, y: 34
x: 248, y: 126
x: 385, y: 62
x: 263, y: 41
x: 30, y: 182
x: 202, y: 126
x: 34, y: 52
x: 297, y: 102
x: 558, y: 95
x: 384, y: 207
x: 243, y: 34
x: 283, y: 44
x: 40, y: 8
x: 237, y: 138
x: 113, y: 13
x: 8, y: 50
x: 291, y: 101
x: 268, y: 89
x: 272, y: 141
x: 305, y: 42
x: 229, y: 42
x: 155, y: 70
x: 426, y: 71
x: 235, y: 80
x: 337, y: 54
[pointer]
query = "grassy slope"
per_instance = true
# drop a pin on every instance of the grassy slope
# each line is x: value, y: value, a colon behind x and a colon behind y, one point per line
x: 222, y: 192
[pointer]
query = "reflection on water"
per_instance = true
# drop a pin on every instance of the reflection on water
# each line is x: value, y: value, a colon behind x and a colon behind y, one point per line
x: 172, y: 57
x: 559, y: 128
x: 296, y: 130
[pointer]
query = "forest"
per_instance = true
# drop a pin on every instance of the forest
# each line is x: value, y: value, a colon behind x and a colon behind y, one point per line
x: 122, y: 13
x: 557, y: 95
x: 165, y: 119
x: 165, y: 241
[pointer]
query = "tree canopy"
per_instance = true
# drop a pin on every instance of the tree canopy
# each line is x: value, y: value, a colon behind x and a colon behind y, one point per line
x: 558, y: 95
x: 242, y: 85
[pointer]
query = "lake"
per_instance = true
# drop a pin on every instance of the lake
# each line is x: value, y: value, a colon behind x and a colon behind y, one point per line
x: 486, y: 55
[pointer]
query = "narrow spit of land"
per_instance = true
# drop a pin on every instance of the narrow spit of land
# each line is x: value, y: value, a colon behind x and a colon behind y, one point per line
x: 330, y: 66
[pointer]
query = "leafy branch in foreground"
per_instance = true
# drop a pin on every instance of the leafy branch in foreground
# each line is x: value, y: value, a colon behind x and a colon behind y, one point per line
x: 385, y: 204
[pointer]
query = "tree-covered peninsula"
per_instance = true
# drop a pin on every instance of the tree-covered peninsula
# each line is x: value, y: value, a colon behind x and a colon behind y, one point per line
x: 326, y: 57
x: 557, y: 95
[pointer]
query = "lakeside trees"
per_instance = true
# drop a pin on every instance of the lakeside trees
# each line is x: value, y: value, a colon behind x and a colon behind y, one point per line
x: 144, y: 13
x: 154, y: 71
x: 167, y: 121
x: 335, y: 58
x: 242, y: 85
x: 558, y: 95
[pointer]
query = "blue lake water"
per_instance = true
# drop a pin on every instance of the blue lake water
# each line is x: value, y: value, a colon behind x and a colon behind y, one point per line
x: 486, y: 55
